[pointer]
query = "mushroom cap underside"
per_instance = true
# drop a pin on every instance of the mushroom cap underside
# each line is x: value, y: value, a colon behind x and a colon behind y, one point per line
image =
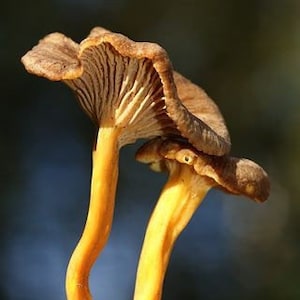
x: 131, y: 85
x: 239, y: 176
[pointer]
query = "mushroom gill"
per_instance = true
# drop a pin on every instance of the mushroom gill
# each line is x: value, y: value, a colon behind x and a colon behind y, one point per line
x: 128, y: 90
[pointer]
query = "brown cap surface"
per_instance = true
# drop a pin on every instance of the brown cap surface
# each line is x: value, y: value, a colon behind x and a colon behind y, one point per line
x: 204, y: 125
x: 235, y: 175
x: 130, y: 85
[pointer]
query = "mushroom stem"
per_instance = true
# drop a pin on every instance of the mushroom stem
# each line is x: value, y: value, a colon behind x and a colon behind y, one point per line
x: 179, y: 199
x: 100, y: 214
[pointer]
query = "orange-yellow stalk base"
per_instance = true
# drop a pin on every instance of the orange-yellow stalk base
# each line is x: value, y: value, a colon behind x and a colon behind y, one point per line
x: 178, y: 201
x: 100, y: 215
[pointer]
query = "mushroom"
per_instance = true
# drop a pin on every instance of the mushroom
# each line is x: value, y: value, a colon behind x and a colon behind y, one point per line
x: 192, y: 174
x: 129, y: 91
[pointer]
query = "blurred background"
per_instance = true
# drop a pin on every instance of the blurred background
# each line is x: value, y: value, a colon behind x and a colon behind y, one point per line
x: 246, y: 55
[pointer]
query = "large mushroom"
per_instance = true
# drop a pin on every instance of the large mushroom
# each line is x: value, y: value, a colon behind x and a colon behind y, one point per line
x: 192, y: 174
x: 128, y: 89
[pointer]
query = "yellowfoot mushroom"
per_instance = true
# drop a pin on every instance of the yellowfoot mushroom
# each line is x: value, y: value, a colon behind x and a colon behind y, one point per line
x: 191, y: 175
x: 129, y: 90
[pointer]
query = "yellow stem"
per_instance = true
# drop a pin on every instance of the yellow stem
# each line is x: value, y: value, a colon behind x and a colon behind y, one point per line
x: 100, y: 215
x: 178, y: 201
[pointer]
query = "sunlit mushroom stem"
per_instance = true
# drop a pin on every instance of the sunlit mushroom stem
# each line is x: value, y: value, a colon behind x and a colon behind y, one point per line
x: 179, y: 199
x: 100, y: 215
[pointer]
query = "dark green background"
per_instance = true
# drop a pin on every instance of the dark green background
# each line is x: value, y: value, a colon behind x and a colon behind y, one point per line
x: 246, y: 55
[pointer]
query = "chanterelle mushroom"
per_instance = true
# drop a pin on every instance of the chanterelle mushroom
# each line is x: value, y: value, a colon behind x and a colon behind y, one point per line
x: 191, y: 175
x: 129, y: 90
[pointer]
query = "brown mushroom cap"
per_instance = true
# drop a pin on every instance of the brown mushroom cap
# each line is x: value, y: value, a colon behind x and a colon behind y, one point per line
x: 205, y: 124
x: 130, y: 85
x: 235, y: 175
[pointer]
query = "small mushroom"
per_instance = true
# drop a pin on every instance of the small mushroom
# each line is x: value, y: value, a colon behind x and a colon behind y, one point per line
x: 129, y: 90
x: 191, y: 175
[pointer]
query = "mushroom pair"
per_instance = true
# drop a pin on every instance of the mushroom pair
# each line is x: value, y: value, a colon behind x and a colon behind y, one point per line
x: 130, y: 91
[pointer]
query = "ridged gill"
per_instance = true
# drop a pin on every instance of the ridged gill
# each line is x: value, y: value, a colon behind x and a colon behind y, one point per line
x: 120, y: 91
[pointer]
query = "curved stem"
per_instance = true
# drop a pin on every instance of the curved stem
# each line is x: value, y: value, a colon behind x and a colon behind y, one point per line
x: 179, y: 199
x: 100, y: 214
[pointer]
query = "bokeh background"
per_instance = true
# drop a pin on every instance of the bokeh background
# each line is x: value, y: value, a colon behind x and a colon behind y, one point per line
x: 246, y: 55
